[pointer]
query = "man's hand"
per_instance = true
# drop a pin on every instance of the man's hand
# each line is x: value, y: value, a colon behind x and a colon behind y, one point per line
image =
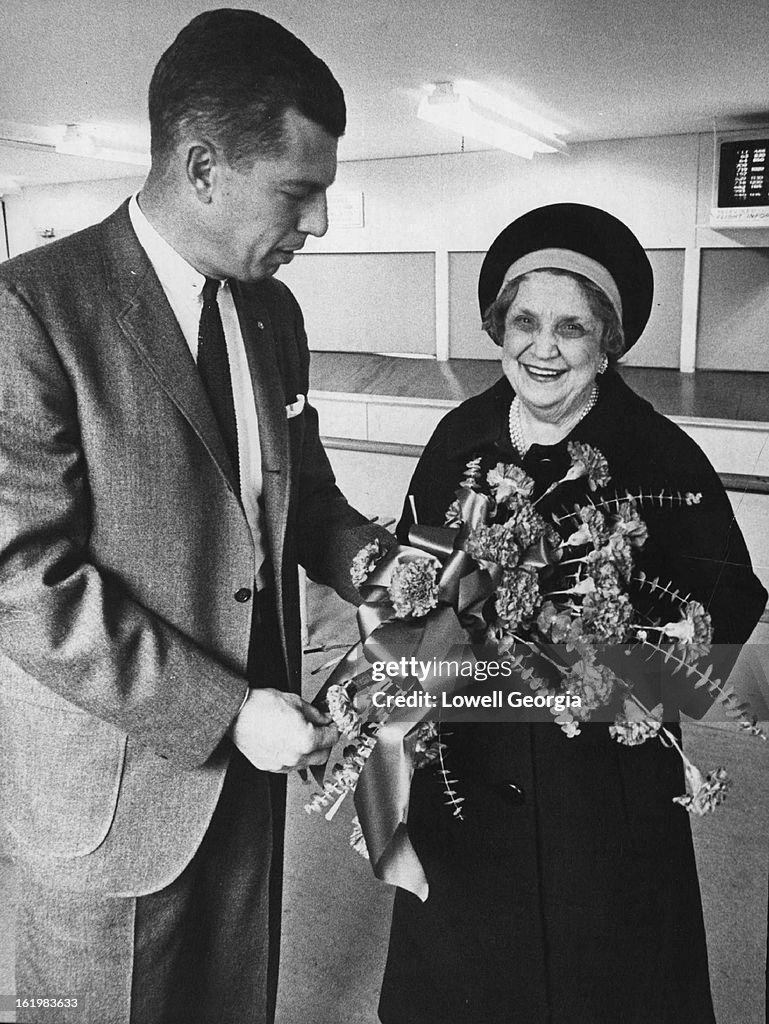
x: 279, y: 731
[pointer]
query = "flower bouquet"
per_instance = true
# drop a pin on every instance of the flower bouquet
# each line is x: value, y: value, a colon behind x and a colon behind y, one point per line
x: 557, y: 596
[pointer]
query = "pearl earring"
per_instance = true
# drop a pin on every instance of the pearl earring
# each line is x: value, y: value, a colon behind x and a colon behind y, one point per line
x: 603, y: 366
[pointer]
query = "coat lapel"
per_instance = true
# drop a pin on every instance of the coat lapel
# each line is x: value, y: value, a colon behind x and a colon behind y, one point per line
x: 149, y: 324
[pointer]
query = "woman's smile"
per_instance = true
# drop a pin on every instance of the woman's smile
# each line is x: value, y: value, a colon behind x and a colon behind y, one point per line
x: 541, y: 374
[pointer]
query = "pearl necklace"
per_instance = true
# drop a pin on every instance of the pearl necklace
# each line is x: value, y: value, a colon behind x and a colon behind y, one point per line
x: 516, y: 431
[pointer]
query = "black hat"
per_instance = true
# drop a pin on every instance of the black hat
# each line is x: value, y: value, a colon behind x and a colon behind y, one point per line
x: 588, y: 241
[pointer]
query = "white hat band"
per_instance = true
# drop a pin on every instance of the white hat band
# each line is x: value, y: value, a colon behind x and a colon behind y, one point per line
x: 567, y: 259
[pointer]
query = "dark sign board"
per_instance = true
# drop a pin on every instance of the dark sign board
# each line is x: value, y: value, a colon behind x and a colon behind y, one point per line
x: 742, y: 174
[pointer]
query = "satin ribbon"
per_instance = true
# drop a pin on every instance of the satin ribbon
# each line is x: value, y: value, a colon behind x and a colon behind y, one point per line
x: 382, y: 792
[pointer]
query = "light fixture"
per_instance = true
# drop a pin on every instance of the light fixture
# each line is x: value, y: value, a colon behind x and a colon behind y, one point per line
x: 474, y: 111
x: 101, y: 142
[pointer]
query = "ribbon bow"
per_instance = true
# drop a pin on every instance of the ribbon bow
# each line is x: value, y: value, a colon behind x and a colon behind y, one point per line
x: 382, y: 792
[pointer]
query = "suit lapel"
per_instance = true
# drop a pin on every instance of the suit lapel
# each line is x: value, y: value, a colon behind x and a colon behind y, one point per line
x: 149, y: 324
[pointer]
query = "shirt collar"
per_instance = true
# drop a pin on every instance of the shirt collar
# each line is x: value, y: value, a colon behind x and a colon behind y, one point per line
x: 174, y: 272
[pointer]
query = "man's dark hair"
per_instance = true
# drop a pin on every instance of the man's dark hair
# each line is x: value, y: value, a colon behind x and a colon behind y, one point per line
x: 231, y: 75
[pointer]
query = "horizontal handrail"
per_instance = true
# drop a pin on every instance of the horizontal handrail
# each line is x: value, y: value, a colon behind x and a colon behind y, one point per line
x: 354, y: 444
x: 744, y: 483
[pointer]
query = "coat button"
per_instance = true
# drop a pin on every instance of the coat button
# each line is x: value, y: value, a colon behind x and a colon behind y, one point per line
x: 243, y: 595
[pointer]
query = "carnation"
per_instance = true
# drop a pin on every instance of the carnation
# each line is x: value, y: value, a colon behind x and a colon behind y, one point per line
x: 427, y: 744
x: 618, y: 552
x: 364, y: 562
x: 527, y: 524
x: 494, y: 544
x: 559, y: 625
x: 594, y: 684
x: 632, y: 732
x: 508, y: 482
x: 703, y: 793
x: 517, y: 599
x: 495, y: 633
x: 588, y: 461
x: 607, y: 616
x: 595, y: 522
x: 414, y: 588
x: 342, y: 710
x: 606, y: 578
x: 693, y: 632
x: 629, y: 523
x: 453, y: 515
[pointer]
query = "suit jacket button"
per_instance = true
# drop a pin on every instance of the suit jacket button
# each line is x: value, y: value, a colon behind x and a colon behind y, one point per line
x: 243, y: 595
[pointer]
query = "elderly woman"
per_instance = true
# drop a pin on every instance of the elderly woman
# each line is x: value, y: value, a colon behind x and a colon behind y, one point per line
x: 568, y: 893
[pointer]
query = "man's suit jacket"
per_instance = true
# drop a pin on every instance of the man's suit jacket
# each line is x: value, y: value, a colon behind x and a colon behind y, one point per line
x: 123, y: 543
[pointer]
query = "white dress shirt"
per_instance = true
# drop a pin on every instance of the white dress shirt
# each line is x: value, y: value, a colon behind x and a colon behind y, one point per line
x: 183, y: 286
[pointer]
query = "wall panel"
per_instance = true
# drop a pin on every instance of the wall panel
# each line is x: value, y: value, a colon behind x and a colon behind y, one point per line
x: 366, y: 302
x: 734, y: 310
x: 660, y: 343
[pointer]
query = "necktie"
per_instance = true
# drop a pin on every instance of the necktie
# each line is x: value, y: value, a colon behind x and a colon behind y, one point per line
x: 214, y: 369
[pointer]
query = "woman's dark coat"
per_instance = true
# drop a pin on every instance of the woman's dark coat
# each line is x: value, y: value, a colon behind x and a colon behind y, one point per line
x: 575, y: 901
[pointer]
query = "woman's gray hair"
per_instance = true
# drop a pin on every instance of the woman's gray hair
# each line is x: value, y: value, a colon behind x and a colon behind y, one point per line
x: 612, y: 338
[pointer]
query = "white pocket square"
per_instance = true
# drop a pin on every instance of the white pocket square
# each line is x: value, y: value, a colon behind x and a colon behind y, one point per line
x: 294, y: 408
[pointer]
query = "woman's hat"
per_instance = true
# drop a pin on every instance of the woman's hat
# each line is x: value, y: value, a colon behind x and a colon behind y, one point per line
x: 584, y: 240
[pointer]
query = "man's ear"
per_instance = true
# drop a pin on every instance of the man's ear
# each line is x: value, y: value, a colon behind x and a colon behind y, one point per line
x: 202, y: 167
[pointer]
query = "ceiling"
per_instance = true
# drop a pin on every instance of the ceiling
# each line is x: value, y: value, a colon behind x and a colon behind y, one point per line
x: 602, y: 69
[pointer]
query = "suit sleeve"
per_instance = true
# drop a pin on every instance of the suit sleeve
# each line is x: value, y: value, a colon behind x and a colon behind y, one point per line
x: 64, y: 622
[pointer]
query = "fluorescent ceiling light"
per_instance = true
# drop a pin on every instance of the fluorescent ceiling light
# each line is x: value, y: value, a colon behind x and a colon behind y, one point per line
x: 470, y: 109
x: 101, y: 142
x: 123, y: 144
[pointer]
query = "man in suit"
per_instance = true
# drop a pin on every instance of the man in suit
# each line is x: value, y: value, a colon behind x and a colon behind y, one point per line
x: 160, y: 477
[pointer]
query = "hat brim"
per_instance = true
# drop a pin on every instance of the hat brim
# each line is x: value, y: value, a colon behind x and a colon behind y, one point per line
x: 583, y: 229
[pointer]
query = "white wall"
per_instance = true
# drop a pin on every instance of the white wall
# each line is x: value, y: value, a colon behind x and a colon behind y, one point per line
x: 453, y: 202
x: 661, y: 187
x: 63, y: 208
x: 461, y: 201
